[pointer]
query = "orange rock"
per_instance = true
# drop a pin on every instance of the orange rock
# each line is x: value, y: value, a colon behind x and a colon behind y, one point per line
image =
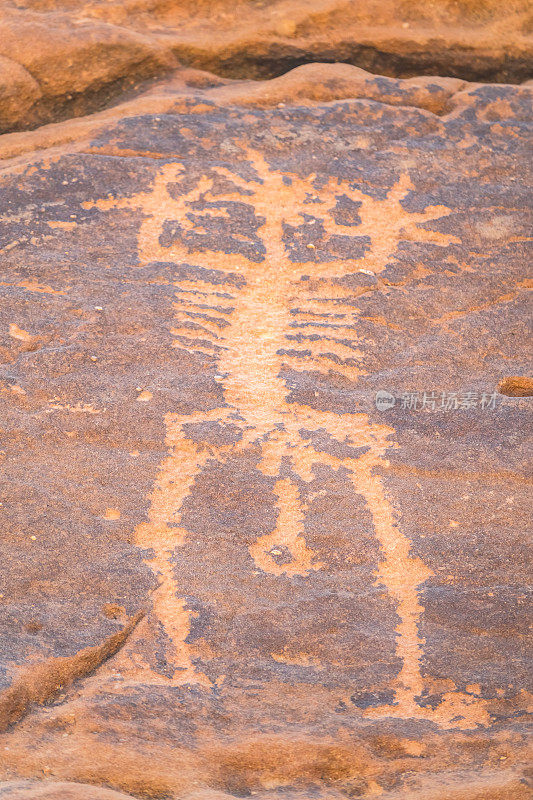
x: 60, y: 59
x: 317, y: 584
x: 37, y: 790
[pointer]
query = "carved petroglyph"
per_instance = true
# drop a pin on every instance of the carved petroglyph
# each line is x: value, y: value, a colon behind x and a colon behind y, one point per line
x: 264, y: 300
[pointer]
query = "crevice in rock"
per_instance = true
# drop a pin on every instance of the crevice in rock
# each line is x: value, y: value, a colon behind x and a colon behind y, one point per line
x: 72, y: 105
x: 42, y: 682
x: 458, y: 62
x: 246, y: 62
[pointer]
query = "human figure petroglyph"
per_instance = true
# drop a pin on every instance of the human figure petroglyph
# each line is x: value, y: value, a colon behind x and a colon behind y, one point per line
x: 276, y: 305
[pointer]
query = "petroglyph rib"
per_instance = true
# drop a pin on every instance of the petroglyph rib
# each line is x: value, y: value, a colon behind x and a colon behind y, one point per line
x: 187, y: 327
x: 308, y: 365
x: 323, y: 327
x: 216, y: 322
x: 200, y: 345
x: 208, y: 323
x: 316, y: 305
x: 185, y: 302
x: 183, y: 295
x: 325, y: 345
x: 203, y: 287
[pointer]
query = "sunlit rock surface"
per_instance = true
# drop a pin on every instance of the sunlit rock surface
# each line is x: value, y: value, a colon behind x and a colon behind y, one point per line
x: 64, y: 58
x: 264, y: 520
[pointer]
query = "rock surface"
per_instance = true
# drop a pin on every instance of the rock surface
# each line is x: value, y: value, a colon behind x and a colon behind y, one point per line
x: 52, y: 790
x: 265, y: 510
x: 61, y: 58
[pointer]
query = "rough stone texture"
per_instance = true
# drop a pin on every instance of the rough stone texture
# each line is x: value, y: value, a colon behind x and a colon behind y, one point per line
x: 227, y: 572
x: 52, y: 790
x: 61, y: 58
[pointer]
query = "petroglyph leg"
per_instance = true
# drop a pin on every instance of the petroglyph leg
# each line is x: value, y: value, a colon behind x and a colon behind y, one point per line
x: 401, y: 575
x: 160, y: 536
x: 288, y: 535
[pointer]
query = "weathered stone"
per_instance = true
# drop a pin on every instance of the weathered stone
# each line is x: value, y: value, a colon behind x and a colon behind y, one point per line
x: 45, y: 790
x: 265, y: 511
x: 78, y: 57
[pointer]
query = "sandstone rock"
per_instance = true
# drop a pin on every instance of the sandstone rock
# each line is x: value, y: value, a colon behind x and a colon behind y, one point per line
x: 18, y: 92
x: 264, y: 508
x: 81, y: 56
x: 41, y: 790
